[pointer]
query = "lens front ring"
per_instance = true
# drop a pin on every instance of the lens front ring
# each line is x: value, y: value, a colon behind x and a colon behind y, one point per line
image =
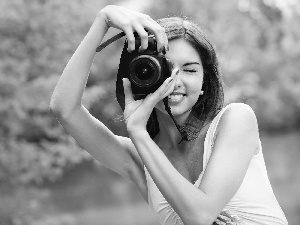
x: 144, y: 70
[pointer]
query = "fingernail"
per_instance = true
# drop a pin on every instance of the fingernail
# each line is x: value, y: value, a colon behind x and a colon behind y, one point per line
x: 177, y: 71
x: 160, y: 50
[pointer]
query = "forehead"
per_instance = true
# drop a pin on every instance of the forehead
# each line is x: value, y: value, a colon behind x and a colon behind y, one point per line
x: 182, y: 51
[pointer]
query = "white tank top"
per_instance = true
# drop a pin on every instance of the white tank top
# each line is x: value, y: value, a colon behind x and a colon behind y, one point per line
x: 254, y: 203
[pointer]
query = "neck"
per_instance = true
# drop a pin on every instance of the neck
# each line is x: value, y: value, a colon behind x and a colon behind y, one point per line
x: 169, y: 137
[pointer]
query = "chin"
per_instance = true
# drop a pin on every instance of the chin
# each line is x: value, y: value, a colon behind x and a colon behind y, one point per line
x: 180, y: 112
x: 177, y: 110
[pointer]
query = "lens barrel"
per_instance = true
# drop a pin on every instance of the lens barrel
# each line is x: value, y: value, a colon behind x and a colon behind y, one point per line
x: 144, y: 70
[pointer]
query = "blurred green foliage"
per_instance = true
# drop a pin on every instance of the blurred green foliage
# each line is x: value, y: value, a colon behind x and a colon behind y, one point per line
x: 257, y: 42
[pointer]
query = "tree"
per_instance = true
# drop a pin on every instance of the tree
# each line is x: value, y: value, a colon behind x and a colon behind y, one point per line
x: 37, y: 39
x: 258, y: 45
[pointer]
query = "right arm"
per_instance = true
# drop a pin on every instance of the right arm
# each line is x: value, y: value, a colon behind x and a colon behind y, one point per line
x: 115, y: 152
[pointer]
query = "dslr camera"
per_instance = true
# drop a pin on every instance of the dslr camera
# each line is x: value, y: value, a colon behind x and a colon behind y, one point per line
x: 146, y: 70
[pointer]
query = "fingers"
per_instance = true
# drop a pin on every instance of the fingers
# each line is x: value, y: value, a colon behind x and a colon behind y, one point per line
x: 166, y: 40
x: 157, y: 95
x: 130, y: 39
x: 160, y: 34
x: 164, y: 90
x: 130, y: 21
x: 143, y: 36
x: 152, y: 99
x: 147, y: 23
x: 127, y: 91
x: 169, y: 90
x: 175, y: 72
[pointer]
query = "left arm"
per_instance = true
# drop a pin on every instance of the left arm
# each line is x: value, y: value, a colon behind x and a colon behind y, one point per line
x: 236, y: 142
x: 178, y: 191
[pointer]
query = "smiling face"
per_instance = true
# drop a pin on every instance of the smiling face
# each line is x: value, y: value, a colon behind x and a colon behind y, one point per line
x: 189, y: 79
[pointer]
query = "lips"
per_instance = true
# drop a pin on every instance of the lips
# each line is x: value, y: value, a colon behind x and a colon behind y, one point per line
x: 176, y: 97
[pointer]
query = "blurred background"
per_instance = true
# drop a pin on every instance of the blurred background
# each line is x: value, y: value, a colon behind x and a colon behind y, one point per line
x: 47, y: 179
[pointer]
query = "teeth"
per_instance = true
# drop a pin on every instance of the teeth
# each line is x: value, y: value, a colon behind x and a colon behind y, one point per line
x: 175, y: 97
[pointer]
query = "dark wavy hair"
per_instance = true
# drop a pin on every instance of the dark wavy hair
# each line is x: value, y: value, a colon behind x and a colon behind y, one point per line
x: 210, y: 103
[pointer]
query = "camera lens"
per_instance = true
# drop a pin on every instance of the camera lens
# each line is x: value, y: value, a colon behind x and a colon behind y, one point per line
x: 145, y: 70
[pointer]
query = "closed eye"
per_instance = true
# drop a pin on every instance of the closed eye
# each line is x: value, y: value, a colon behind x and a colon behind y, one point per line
x: 190, y: 70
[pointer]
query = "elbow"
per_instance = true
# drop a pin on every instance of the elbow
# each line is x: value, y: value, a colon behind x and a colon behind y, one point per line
x: 199, y: 218
x: 59, y: 111
x: 207, y: 219
x: 199, y: 221
x: 55, y: 109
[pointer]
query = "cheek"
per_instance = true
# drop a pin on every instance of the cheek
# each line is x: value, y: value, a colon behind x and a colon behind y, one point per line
x: 194, y: 92
x: 195, y: 86
x: 194, y: 98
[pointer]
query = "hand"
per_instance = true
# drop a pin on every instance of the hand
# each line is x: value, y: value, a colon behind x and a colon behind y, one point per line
x: 130, y: 21
x: 137, y: 113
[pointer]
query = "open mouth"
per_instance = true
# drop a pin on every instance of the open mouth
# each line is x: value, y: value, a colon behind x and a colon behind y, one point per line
x: 176, y: 97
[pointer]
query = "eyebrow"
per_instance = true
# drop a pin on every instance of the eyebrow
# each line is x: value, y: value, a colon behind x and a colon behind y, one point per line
x: 191, y: 63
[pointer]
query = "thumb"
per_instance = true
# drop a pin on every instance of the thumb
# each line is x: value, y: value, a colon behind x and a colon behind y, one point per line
x: 127, y: 91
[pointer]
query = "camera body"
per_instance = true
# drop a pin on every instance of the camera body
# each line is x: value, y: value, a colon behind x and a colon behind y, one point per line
x: 146, y: 71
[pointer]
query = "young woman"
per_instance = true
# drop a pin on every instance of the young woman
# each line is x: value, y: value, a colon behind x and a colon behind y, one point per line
x: 209, y: 168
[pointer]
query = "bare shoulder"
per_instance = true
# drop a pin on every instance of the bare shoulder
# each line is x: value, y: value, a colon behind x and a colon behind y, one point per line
x: 239, y: 114
x: 236, y: 141
x: 239, y: 125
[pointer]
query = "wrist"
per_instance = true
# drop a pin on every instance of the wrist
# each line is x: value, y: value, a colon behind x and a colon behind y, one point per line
x: 102, y: 19
x: 137, y: 132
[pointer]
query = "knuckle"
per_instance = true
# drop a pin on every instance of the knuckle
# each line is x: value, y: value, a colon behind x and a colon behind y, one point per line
x: 144, y: 35
x: 128, y: 22
x: 162, y: 29
x: 131, y: 45
x: 144, y: 42
x: 156, y: 30
x: 147, y: 17
x: 125, y: 24
x: 130, y: 40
